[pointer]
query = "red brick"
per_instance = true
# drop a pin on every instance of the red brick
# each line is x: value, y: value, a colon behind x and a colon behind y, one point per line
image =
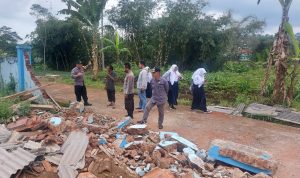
x: 159, y: 173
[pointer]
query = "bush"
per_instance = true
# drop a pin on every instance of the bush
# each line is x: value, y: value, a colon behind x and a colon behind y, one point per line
x: 6, y: 111
x: 24, y: 109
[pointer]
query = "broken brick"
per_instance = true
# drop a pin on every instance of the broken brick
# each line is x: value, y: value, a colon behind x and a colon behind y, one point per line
x: 159, y: 173
x: 138, y: 129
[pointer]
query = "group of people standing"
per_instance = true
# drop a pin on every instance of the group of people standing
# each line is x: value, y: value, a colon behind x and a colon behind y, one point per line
x: 159, y: 89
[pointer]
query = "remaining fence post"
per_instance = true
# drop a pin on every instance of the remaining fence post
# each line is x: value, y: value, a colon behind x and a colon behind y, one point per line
x: 23, y: 53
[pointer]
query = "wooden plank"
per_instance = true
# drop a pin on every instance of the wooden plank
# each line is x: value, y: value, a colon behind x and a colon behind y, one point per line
x: 32, y: 98
x: 25, y: 92
x: 43, y: 107
x: 59, y: 107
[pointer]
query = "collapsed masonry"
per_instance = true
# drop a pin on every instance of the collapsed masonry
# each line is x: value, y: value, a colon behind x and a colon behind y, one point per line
x: 71, y: 144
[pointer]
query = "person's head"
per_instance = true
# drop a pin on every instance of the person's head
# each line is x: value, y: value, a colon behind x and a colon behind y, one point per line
x: 110, y: 68
x: 174, y: 67
x: 156, y: 73
x: 127, y: 67
x: 142, y: 64
x: 79, y: 64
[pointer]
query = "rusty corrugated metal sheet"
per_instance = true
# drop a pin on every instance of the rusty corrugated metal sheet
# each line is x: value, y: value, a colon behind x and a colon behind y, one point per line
x: 73, y: 153
x: 4, y: 134
x: 11, y: 162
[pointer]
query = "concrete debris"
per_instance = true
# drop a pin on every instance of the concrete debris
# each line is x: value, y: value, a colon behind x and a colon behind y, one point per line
x: 4, y: 134
x: 185, y: 142
x: 138, y: 129
x: 32, y: 145
x: 169, y: 146
x: 77, y: 142
x: 54, y: 159
x: 196, y: 161
x: 257, y: 160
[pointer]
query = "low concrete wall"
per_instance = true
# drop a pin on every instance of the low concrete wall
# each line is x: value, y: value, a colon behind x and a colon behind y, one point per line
x: 8, y: 67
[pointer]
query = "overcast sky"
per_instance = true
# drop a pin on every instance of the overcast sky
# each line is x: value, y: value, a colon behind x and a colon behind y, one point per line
x: 15, y: 13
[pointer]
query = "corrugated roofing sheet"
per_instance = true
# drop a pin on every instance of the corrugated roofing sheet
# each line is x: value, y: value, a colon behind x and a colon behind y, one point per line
x: 74, y: 151
x: 67, y: 171
x: 11, y: 162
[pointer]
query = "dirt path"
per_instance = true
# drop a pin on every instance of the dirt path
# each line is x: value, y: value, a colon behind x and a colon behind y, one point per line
x: 281, y: 141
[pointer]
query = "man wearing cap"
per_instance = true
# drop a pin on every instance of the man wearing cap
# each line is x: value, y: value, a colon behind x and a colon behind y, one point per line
x: 77, y: 74
x: 160, y: 88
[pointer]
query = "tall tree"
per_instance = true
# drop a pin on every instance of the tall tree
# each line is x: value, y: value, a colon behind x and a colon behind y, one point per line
x: 42, y: 14
x: 8, y: 41
x: 89, y: 12
x: 279, y: 55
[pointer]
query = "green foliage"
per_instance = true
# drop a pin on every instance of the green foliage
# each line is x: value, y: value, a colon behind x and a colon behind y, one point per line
x: 295, y: 42
x: 8, y: 41
x: 24, y: 109
x: 6, y: 111
x: 11, y: 85
x: 66, y: 43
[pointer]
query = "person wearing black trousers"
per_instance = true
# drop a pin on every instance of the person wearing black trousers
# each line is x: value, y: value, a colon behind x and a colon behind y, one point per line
x: 199, y: 97
x: 77, y: 74
x: 173, y: 76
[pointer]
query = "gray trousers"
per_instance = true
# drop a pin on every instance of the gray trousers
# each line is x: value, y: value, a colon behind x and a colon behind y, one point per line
x: 160, y: 108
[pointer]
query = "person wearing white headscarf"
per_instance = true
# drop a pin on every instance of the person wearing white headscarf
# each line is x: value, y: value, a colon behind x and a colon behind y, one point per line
x: 199, y: 98
x: 173, y: 76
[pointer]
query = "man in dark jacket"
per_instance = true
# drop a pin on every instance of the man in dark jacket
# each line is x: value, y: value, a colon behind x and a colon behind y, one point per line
x: 160, y: 88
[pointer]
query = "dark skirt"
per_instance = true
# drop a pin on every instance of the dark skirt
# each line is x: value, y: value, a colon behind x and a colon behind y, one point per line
x: 199, y: 98
x: 149, y: 90
x: 173, y: 93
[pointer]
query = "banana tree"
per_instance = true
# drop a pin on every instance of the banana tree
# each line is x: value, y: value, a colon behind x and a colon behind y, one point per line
x: 89, y: 12
x: 279, y: 55
x: 115, y: 46
x: 295, y: 62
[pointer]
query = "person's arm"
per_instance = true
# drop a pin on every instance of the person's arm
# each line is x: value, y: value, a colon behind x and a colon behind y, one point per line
x: 74, y: 75
x: 112, y: 76
x: 166, y: 75
x: 167, y: 87
x: 129, y: 84
x: 180, y: 77
x: 144, y: 79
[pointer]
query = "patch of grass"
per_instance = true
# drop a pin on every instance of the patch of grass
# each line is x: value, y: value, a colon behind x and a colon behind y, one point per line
x: 6, y: 111
x: 24, y: 109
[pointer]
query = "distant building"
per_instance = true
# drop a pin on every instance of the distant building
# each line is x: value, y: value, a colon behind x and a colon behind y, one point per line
x: 245, y: 54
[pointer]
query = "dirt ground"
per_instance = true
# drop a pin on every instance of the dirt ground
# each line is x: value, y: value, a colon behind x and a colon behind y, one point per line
x: 283, y: 142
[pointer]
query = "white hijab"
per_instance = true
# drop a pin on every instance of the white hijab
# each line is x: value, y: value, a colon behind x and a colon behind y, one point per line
x: 149, y: 74
x: 174, y: 74
x: 198, y: 77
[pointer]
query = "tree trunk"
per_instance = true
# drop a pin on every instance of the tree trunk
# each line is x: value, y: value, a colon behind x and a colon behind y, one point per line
x: 95, y: 55
x: 102, y: 53
x: 279, y: 54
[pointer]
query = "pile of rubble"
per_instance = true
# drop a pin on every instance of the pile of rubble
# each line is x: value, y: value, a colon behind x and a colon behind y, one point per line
x: 73, y: 143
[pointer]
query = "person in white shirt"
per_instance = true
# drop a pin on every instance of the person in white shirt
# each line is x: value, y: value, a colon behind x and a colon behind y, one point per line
x: 142, y: 86
x: 199, y: 98
x: 173, y: 76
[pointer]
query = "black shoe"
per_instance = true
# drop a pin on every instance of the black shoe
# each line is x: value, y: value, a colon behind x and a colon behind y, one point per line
x: 87, y: 104
x: 142, y: 122
x: 161, y: 127
x: 172, y: 107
